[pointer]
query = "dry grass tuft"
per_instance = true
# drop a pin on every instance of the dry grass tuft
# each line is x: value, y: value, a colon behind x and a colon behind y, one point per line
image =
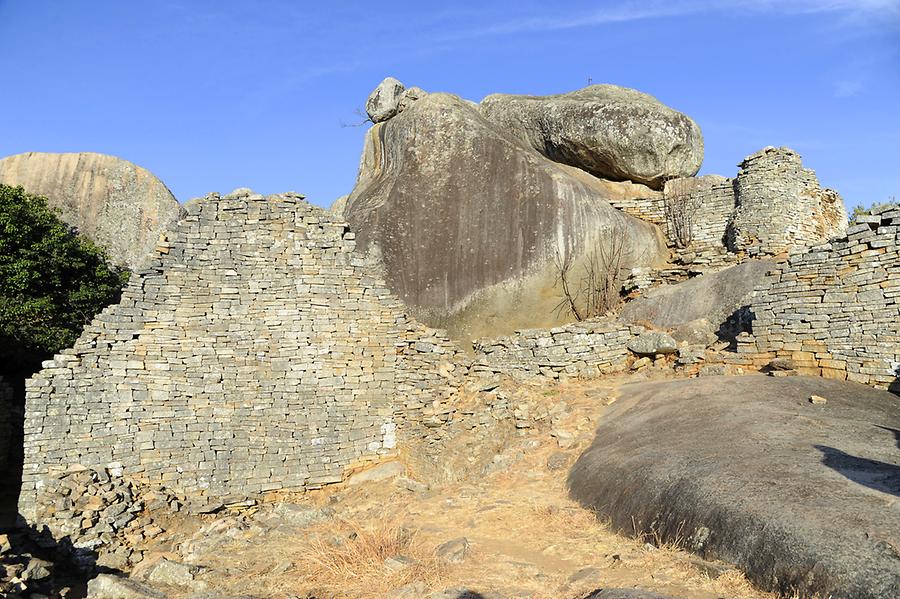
x: 570, y: 518
x: 733, y: 583
x: 348, y: 560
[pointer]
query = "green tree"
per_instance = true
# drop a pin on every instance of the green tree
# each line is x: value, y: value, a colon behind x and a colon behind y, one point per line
x: 52, y: 281
x: 860, y: 210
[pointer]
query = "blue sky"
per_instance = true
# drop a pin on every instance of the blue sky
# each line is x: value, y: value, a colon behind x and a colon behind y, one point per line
x: 211, y: 94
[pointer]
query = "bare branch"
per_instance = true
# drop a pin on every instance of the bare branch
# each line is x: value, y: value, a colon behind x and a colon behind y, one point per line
x: 601, y: 283
x: 679, y: 207
x: 359, y: 112
x: 563, y: 266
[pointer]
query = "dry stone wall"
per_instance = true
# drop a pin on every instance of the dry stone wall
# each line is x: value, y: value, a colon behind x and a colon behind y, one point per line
x: 711, y: 199
x: 780, y: 205
x: 833, y: 311
x: 585, y: 349
x: 650, y: 208
x: 256, y: 352
x: 773, y: 205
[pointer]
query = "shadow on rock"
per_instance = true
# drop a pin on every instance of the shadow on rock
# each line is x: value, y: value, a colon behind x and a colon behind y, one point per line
x: 891, y: 430
x: 32, y: 562
x: 739, y: 321
x: 873, y: 474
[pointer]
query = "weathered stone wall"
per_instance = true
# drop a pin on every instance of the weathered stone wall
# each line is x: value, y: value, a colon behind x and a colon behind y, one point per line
x: 772, y: 206
x: 586, y: 349
x: 711, y: 198
x: 780, y: 205
x: 834, y: 309
x: 256, y: 352
x: 649, y: 208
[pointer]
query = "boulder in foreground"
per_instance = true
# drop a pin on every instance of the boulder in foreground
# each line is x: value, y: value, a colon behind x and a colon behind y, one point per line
x: 802, y: 497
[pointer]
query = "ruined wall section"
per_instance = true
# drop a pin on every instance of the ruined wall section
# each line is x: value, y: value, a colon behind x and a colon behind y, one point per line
x: 833, y: 311
x: 649, y: 208
x: 587, y: 349
x: 257, y: 352
x: 780, y: 205
x: 772, y: 206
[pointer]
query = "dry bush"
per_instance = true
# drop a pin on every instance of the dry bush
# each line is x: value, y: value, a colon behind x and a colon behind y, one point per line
x: 599, y: 289
x: 355, y: 566
x: 679, y: 207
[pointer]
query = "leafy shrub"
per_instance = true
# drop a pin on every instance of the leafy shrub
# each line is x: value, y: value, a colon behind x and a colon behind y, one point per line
x: 52, y: 281
x: 860, y: 210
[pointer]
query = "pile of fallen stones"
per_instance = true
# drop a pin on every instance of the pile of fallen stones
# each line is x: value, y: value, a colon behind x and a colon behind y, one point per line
x: 100, y: 519
x: 20, y: 570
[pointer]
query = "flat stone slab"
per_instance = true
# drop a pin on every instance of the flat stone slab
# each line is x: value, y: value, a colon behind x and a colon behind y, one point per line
x: 803, y: 497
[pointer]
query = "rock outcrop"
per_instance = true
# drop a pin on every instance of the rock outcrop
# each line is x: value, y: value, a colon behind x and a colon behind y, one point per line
x: 384, y: 100
x: 713, y: 297
x: 749, y: 471
x: 118, y: 205
x: 468, y: 220
x: 609, y: 131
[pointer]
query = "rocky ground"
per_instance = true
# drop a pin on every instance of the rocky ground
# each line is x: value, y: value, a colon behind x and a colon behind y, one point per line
x: 482, y: 522
x: 490, y: 525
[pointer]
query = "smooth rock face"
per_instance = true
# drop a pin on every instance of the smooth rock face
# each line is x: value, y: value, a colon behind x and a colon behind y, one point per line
x: 467, y: 220
x: 108, y: 586
x: 653, y: 343
x: 748, y: 471
x: 337, y: 207
x: 120, y: 206
x: 609, y: 131
x: 384, y: 100
x: 713, y: 297
x: 410, y: 95
x: 377, y: 473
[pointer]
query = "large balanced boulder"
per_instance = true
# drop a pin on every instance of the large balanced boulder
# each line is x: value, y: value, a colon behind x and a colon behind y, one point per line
x: 802, y: 496
x: 467, y: 220
x: 384, y: 100
x: 120, y: 206
x: 609, y: 131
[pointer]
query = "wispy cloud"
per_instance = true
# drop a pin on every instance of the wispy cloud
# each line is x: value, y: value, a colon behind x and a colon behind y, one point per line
x: 884, y: 11
x: 847, y: 88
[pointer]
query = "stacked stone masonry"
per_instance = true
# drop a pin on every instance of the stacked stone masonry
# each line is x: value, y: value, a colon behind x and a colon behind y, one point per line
x: 781, y: 206
x: 257, y: 352
x: 772, y: 206
x: 711, y: 200
x: 586, y: 349
x: 834, y: 309
x: 650, y: 209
